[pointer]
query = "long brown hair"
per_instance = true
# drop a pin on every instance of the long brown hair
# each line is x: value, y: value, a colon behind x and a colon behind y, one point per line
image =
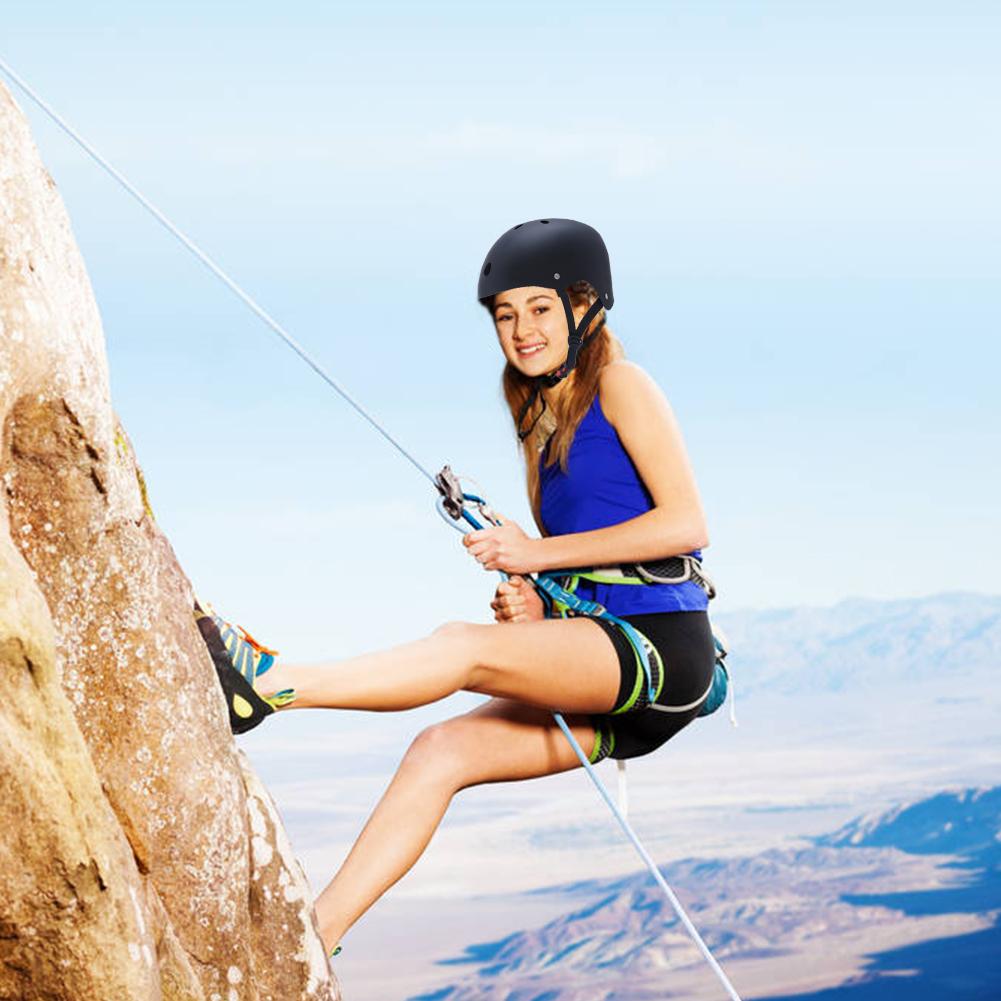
x: 561, y: 417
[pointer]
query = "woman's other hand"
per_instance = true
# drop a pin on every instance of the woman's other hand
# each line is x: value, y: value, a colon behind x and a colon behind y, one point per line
x: 516, y: 600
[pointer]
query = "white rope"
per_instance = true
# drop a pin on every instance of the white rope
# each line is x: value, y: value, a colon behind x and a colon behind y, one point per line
x: 619, y: 815
x: 239, y: 292
x: 650, y: 864
x: 299, y: 350
x: 623, y: 787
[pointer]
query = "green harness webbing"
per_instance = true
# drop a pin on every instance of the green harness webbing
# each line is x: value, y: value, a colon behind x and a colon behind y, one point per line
x: 560, y: 599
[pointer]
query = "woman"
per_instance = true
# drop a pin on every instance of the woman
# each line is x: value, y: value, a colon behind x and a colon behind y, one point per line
x: 610, y: 484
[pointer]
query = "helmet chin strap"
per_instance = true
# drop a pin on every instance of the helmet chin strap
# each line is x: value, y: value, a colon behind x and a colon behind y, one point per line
x: 576, y: 338
x: 550, y: 379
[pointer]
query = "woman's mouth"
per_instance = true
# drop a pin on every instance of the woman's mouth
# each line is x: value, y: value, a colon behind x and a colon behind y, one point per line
x: 530, y: 349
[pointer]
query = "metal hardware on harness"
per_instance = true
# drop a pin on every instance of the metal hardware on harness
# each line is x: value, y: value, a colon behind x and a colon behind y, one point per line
x: 453, y: 499
x: 667, y: 572
x: 451, y: 491
x: 671, y: 570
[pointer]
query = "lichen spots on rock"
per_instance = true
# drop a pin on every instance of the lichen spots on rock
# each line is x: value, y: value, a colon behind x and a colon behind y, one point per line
x: 53, y: 471
x: 126, y: 457
x: 118, y: 729
x: 262, y: 848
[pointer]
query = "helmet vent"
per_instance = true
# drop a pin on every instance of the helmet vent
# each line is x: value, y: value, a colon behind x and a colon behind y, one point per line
x: 486, y: 269
x: 543, y: 220
x: 519, y: 225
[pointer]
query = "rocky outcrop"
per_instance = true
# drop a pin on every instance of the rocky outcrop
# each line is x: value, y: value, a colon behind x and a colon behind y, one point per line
x: 140, y: 858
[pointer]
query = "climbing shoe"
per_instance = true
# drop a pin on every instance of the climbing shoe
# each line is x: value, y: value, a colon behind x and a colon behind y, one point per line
x: 239, y: 660
x: 336, y: 949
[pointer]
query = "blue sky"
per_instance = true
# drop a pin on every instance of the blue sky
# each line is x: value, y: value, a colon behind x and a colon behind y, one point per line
x: 802, y: 211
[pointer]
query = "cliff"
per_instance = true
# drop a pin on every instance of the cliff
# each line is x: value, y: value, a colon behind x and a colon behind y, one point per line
x: 140, y: 857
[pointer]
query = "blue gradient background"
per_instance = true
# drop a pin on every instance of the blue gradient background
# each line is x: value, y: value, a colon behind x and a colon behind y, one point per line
x: 802, y: 209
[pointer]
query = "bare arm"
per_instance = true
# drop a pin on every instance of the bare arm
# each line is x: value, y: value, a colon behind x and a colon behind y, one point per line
x: 642, y: 416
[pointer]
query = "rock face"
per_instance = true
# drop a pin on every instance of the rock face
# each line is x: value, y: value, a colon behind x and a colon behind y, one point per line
x: 140, y: 858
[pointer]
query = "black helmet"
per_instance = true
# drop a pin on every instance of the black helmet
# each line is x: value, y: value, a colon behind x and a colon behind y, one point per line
x: 551, y: 253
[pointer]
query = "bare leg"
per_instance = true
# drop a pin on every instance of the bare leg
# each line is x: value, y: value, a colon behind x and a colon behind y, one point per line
x: 393, y: 838
x: 498, y: 741
x: 565, y: 664
x: 402, y: 677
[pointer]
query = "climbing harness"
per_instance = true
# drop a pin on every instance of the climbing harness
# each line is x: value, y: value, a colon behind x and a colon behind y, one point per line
x: 561, y: 597
x: 673, y: 570
x: 558, y: 587
x: 453, y: 503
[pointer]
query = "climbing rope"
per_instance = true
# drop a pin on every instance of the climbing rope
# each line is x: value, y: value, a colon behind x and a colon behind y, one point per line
x: 489, y: 515
x: 446, y: 506
x: 245, y: 297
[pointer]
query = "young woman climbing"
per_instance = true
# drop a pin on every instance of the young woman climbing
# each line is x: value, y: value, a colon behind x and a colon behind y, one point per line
x: 611, y: 488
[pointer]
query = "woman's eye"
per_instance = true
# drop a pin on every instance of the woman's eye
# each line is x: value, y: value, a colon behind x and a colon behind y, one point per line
x: 507, y: 316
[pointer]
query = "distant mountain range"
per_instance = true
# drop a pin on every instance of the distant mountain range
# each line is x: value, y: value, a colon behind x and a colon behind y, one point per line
x: 874, y: 899
x: 862, y: 643
x: 966, y: 823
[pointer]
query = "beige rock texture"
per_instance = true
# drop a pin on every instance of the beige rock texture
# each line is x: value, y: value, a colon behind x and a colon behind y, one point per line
x: 140, y: 857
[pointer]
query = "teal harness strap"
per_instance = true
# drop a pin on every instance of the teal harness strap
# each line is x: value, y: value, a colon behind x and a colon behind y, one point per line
x: 561, y: 600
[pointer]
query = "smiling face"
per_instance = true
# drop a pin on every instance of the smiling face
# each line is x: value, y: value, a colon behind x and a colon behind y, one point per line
x: 531, y: 326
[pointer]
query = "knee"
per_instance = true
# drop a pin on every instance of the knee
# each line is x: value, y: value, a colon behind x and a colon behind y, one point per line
x: 440, y: 753
x: 463, y: 639
x: 457, y: 628
x: 464, y: 644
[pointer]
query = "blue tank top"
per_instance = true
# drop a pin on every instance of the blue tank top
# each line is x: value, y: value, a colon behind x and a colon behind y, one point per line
x: 602, y: 487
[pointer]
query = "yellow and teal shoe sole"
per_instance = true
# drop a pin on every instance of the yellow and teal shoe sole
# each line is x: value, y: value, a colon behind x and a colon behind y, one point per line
x: 246, y: 707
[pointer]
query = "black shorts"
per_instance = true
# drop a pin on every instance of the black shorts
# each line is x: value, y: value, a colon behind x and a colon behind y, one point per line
x: 685, y: 643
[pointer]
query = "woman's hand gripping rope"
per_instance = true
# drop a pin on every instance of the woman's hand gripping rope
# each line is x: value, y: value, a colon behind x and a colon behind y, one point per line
x: 504, y: 547
x: 516, y: 600
x: 507, y: 547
